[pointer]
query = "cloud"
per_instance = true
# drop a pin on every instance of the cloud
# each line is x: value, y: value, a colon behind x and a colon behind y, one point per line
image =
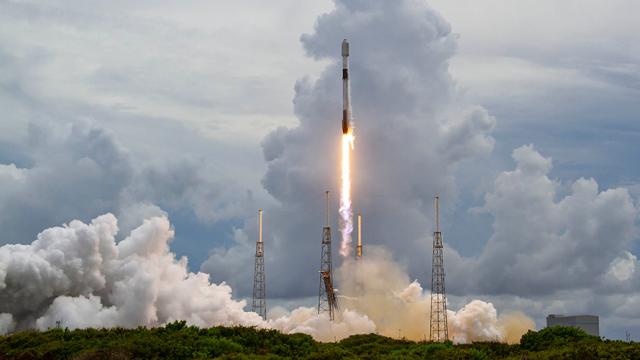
x: 623, y: 267
x: 80, y: 170
x: 172, y: 78
x: 545, y: 241
x: 408, y: 121
x: 225, y: 261
x: 568, y: 84
x: 162, y: 106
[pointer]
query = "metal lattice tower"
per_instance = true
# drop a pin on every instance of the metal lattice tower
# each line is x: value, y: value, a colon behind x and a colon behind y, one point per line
x: 438, y: 320
x: 259, y: 294
x: 326, y: 294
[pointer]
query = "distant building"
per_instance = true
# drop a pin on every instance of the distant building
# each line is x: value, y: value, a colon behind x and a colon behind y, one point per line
x: 589, y: 323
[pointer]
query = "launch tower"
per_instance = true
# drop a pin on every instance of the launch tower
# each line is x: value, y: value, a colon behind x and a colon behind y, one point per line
x: 326, y: 293
x: 438, y: 319
x: 259, y: 294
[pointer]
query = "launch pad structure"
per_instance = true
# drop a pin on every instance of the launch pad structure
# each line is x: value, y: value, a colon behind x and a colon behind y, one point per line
x: 438, y: 330
x: 259, y: 304
x: 327, y: 301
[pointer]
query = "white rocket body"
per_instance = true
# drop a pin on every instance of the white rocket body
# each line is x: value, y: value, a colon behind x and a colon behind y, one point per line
x: 346, y: 111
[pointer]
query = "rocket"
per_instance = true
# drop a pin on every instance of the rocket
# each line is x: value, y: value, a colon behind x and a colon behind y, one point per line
x: 346, y: 111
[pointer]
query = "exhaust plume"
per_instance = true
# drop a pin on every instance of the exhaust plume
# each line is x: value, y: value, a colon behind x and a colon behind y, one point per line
x: 379, y: 288
x: 346, y: 211
x: 78, y: 276
x: 307, y: 320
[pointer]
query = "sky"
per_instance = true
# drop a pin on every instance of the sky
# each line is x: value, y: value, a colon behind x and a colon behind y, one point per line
x: 522, y: 116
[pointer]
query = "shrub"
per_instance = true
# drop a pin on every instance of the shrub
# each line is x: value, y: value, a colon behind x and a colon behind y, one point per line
x: 554, y: 336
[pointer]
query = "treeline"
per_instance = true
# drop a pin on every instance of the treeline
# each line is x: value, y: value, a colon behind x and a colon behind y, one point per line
x: 178, y: 341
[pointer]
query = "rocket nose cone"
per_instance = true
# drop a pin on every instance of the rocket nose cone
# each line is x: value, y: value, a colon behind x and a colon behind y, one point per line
x: 345, y: 47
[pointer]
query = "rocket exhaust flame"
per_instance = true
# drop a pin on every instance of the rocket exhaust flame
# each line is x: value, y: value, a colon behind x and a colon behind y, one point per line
x: 346, y: 211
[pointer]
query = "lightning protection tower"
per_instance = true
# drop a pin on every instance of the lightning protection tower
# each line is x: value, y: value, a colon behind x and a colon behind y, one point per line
x: 438, y: 319
x: 326, y: 294
x: 259, y: 294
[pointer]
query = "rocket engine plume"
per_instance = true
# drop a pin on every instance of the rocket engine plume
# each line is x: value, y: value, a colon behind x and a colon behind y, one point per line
x: 346, y: 210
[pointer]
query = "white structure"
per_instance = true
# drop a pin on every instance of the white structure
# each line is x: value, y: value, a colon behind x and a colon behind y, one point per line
x: 589, y: 323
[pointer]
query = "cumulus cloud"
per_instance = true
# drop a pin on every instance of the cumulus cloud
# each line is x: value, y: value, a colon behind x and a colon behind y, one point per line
x: 77, y: 170
x: 409, y: 120
x: 80, y: 170
x: 545, y: 238
x: 226, y: 260
x: 623, y: 267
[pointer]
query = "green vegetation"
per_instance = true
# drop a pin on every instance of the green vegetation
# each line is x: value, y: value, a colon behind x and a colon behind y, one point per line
x: 178, y: 341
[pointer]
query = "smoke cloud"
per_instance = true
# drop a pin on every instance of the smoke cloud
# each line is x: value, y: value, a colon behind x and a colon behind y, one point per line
x: 6, y: 323
x: 379, y: 288
x: 78, y: 276
x: 307, y: 320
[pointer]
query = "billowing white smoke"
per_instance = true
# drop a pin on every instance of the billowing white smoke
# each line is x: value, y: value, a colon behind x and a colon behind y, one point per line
x: 479, y: 321
x: 306, y: 320
x: 6, y: 323
x: 77, y: 276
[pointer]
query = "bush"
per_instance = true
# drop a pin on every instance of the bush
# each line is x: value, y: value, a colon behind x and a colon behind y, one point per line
x: 179, y: 341
x: 554, y: 336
